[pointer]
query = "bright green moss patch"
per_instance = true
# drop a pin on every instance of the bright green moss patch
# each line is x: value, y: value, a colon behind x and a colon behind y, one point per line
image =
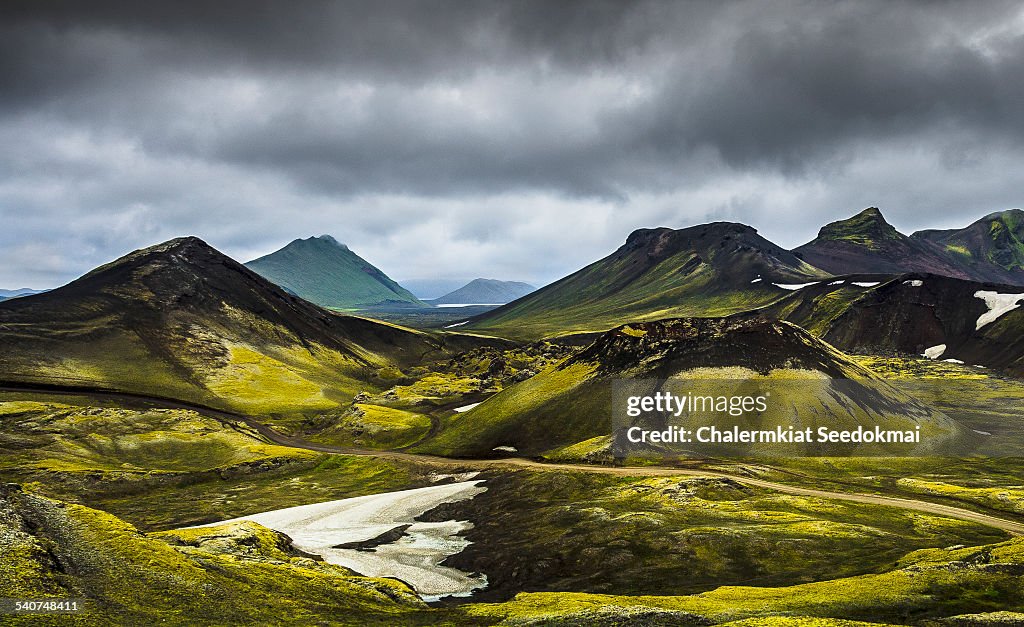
x: 375, y: 426
x: 958, y: 249
x: 256, y: 383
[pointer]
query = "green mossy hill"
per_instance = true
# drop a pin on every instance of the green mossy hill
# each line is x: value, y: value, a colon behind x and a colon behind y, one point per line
x: 707, y: 270
x: 868, y: 228
x: 570, y: 402
x: 926, y: 585
x: 991, y: 248
x: 181, y: 320
x: 326, y: 272
x: 907, y: 314
x: 240, y: 574
x: 581, y: 532
x: 367, y: 425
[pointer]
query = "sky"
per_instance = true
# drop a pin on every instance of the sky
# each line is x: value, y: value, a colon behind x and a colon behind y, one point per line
x: 511, y: 140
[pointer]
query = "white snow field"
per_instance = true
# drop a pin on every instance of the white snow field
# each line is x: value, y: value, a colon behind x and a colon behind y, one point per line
x: 414, y: 557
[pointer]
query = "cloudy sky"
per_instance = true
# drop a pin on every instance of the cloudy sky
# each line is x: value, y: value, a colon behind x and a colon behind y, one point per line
x: 514, y: 140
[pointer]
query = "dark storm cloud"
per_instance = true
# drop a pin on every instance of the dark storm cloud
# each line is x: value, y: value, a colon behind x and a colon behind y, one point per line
x: 251, y: 122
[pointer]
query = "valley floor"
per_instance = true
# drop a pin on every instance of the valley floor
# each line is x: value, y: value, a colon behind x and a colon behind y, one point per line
x: 559, y: 543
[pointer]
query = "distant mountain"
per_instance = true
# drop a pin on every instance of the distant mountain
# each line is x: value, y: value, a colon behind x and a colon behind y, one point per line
x: 485, y: 292
x: 25, y: 291
x: 913, y: 314
x: 326, y: 272
x: 991, y: 249
x: 707, y: 270
x: 569, y: 403
x: 988, y: 250
x: 426, y: 289
x: 181, y: 320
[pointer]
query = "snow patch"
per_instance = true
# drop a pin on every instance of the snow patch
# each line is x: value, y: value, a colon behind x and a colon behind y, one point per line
x: 457, y: 324
x: 914, y: 283
x: 466, y: 407
x: 415, y: 557
x: 505, y: 449
x: 793, y: 286
x: 470, y: 305
x: 998, y: 304
x: 837, y: 282
x: 866, y: 284
x: 953, y: 361
x: 757, y: 280
x: 935, y: 351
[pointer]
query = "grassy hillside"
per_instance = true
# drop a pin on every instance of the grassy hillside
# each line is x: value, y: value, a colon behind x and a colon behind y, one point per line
x: 325, y: 272
x: 708, y: 270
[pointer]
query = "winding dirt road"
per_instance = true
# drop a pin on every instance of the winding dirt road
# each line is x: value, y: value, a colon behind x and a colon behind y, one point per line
x: 274, y: 436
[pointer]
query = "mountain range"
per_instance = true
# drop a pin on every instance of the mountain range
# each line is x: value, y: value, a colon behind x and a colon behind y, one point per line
x: 708, y: 270
x: 989, y: 250
x: 327, y: 273
x: 25, y: 291
x: 726, y: 268
x: 485, y: 292
x: 181, y: 320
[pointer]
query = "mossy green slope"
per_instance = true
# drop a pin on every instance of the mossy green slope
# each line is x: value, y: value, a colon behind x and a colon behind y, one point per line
x: 238, y: 574
x: 708, y: 270
x: 991, y: 248
x: 324, y: 271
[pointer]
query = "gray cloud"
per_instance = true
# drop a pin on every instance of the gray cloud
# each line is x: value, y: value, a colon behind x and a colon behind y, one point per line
x: 511, y: 139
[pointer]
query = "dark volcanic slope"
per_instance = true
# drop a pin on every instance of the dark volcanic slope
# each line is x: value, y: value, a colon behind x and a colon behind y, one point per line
x: 866, y: 243
x: 991, y: 249
x: 181, y: 319
x: 572, y: 401
x: 326, y: 272
x: 911, y: 313
x: 707, y: 270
